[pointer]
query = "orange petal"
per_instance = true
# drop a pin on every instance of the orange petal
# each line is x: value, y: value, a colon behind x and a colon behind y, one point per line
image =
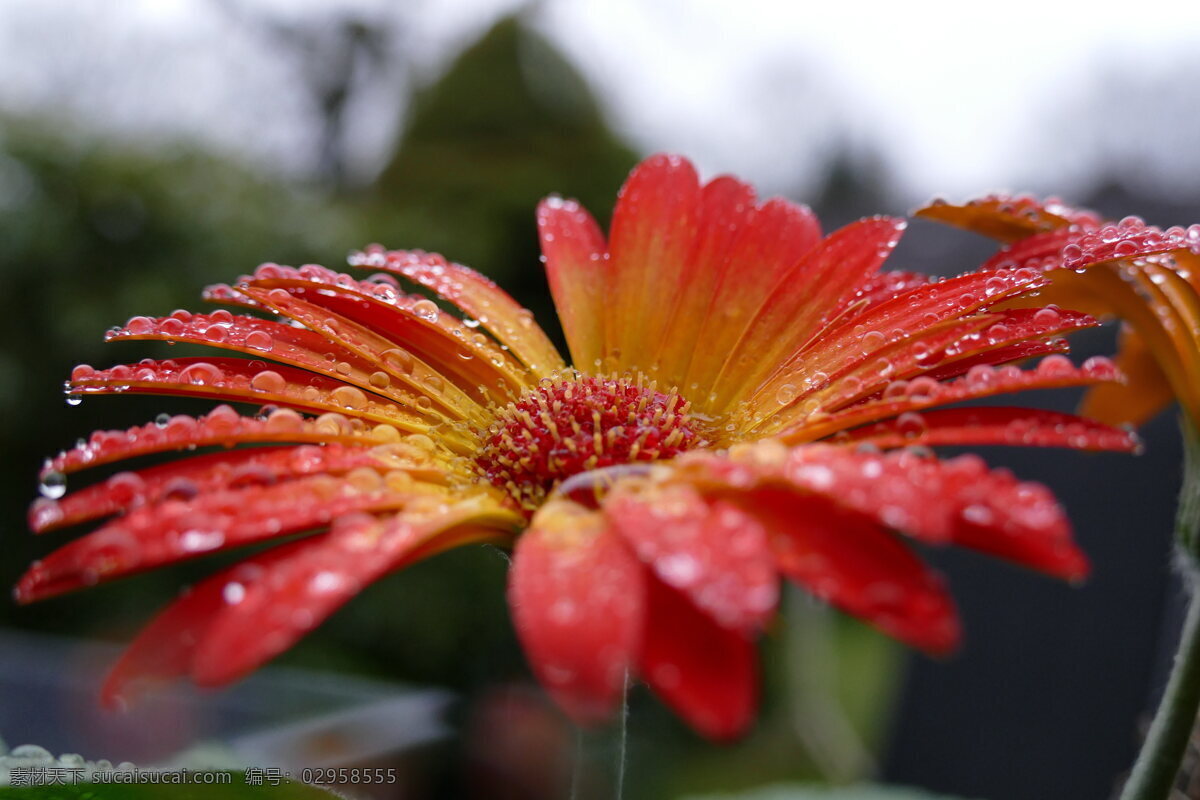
x: 763, y: 277
x: 803, y: 299
x: 1008, y: 218
x: 652, y: 230
x: 577, y: 269
x: 477, y: 297
x: 1147, y: 391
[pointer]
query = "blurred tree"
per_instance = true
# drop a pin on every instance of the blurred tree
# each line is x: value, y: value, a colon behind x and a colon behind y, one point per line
x: 509, y: 123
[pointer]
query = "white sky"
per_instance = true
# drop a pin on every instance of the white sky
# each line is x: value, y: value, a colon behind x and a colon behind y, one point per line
x: 960, y: 97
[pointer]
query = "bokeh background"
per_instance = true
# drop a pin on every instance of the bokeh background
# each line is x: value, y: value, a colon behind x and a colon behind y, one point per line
x: 151, y: 147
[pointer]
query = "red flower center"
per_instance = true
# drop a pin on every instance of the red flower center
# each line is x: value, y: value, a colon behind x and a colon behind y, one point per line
x: 566, y: 427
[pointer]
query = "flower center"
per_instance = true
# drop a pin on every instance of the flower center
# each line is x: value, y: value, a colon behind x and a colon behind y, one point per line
x: 565, y: 427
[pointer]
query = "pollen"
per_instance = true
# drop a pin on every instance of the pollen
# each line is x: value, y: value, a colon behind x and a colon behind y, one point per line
x: 568, y: 426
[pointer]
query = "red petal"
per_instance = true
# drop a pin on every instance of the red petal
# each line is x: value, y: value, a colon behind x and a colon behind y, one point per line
x: 576, y: 594
x: 996, y: 425
x: 243, y: 380
x: 940, y: 502
x: 577, y: 267
x: 912, y: 315
x: 179, y: 529
x: 1034, y: 253
x: 165, y: 647
x: 221, y: 426
x: 1052, y: 372
x: 1130, y: 239
x: 209, y: 473
x: 725, y: 208
x: 850, y: 561
x: 475, y: 296
x: 708, y: 674
x: 712, y: 551
x: 294, y: 595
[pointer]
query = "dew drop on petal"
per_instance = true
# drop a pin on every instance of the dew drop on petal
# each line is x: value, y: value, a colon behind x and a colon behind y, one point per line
x: 426, y: 310
x: 349, y: 397
x: 400, y: 360
x: 284, y: 420
x: 201, y: 373
x: 260, y: 340
x: 268, y: 381
x: 53, y: 485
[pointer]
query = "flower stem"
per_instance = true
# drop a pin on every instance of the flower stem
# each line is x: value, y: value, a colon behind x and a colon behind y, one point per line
x: 1158, y: 763
x: 600, y: 757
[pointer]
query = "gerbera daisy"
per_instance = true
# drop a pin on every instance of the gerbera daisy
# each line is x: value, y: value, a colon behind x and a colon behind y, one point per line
x: 748, y: 400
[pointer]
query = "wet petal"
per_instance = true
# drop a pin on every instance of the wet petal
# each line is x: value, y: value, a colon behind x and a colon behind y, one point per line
x: 958, y: 501
x: 1026, y: 427
x: 186, y: 527
x: 164, y: 649
x: 577, y: 269
x: 294, y: 595
x: 652, y: 230
x: 576, y: 594
x: 225, y: 427
x: 713, y: 552
x: 477, y: 297
x: 725, y: 206
x: 229, y: 470
x: 707, y: 673
x: 805, y: 299
x: 849, y: 560
x: 246, y: 381
x: 765, y: 264
x: 1009, y: 217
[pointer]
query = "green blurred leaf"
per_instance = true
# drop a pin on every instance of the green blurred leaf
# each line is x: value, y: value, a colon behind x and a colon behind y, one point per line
x: 797, y: 792
x: 287, y: 790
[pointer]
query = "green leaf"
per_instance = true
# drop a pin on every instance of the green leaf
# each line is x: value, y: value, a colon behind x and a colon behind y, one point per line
x: 800, y: 792
x: 236, y: 789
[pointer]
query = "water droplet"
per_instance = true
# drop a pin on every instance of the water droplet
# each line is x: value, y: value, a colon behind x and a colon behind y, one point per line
x: 260, y: 340
x: 53, y: 485
x: 399, y: 360
x: 268, y: 381
x: 349, y: 397
x: 200, y: 374
x: 426, y: 310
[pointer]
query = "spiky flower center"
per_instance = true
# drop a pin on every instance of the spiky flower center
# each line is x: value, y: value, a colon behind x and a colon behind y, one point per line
x: 564, y: 427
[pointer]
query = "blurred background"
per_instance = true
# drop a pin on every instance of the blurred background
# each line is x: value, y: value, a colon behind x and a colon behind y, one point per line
x: 151, y: 147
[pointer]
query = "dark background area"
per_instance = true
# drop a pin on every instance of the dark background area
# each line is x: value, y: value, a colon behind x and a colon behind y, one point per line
x: 98, y: 223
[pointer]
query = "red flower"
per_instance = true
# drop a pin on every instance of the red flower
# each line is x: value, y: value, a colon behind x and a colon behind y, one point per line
x: 655, y: 493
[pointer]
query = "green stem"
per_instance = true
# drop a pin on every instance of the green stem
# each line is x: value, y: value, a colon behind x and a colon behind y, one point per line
x: 1158, y: 763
